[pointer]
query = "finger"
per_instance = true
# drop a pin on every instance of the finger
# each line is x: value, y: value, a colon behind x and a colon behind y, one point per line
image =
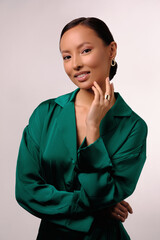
x: 126, y: 205
x: 108, y: 91
x: 118, y: 217
x: 96, y: 94
x: 108, y: 87
x: 112, y: 91
x: 99, y: 90
x: 122, y: 208
x: 123, y: 214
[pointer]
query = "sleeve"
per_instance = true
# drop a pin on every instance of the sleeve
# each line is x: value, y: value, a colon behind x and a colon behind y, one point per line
x: 33, y: 193
x: 106, y: 181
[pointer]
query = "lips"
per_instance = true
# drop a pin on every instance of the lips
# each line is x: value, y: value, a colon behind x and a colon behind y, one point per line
x: 82, y: 76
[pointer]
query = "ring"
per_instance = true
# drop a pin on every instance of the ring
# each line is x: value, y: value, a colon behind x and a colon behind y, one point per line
x: 107, y: 97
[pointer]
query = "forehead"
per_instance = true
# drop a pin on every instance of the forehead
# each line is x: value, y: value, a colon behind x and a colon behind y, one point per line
x: 78, y: 35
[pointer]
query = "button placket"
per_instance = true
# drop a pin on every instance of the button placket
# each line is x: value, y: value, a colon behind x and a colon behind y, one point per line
x: 73, y: 161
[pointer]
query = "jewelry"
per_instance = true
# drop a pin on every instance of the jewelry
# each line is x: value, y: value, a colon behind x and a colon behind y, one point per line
x: 107, y: 97
x: 113, y: 63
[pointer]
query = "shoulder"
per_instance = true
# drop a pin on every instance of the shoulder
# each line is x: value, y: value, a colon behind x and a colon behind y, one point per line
x: 51, y: 105
x: 133, y: 122
x: 140, y: 125
x: 42, y: 110
x: 43, y: 113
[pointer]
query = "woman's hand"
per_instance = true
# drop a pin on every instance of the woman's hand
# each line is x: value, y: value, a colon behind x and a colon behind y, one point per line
x: 99, y: 107
x: 120, y: 211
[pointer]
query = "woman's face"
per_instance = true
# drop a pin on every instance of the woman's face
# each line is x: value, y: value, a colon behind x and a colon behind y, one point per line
x: 86, y: 57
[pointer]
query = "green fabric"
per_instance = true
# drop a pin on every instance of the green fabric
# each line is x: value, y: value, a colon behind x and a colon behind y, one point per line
x: 71, y: 187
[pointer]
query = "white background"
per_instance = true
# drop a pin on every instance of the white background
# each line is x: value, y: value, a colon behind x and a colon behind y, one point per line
x: 31, y: 71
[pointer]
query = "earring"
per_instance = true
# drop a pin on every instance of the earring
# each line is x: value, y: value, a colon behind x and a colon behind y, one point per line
x: 113, y: 63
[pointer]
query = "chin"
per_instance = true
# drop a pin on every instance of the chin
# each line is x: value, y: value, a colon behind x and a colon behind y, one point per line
x: 85, y: 85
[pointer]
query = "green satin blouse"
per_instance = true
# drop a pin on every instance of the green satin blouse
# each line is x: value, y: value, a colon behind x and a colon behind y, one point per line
x: 70, y: 189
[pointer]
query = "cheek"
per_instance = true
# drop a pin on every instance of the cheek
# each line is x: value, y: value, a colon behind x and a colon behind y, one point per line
x: 97, y: 61
x: 67, y: 68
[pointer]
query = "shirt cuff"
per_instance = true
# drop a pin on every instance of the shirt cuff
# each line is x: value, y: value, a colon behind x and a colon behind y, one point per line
x: 93, y: 157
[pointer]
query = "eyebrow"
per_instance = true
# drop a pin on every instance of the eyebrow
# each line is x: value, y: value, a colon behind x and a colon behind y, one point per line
x: 79, y: 46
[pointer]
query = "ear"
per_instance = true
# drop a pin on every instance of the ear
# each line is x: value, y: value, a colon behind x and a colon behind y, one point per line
x: 113, y: 50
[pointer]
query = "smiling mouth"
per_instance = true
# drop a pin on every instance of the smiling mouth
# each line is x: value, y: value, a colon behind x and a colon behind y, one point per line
x: 82, y: 76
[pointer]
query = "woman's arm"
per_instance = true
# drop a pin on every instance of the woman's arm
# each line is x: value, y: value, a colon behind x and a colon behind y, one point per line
x: 99, y: 108
x: 102, y: 184
x: 33, y: 192
x: 106, y: 181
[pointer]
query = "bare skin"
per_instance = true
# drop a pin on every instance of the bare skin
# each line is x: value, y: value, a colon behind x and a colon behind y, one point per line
x: 120, y: 210
x: 87, y: 62
x: 86, y: 126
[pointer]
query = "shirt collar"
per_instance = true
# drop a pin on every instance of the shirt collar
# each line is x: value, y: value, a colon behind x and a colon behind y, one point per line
x: 66, y: 98
x: 119, y: 109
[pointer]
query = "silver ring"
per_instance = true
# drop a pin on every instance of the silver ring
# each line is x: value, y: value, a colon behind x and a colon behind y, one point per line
x: 107, y: 97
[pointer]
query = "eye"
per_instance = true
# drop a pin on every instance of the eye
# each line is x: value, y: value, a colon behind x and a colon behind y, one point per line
x: 86, y: 50
x: 66, y: 57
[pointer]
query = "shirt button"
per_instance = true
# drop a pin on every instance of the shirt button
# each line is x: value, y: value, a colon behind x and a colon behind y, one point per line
x: 73, y: 161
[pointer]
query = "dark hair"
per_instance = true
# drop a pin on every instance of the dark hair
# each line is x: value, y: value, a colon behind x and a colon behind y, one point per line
x: 100, y: 28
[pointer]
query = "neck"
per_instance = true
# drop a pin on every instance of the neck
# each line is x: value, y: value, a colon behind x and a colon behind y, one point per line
x: 85, y: 97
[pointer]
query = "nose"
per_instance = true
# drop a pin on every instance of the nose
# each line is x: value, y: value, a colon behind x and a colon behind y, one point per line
x: 77, y: 63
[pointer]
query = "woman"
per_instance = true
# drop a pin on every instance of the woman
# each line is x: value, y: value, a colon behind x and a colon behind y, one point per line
x: 82, y: 153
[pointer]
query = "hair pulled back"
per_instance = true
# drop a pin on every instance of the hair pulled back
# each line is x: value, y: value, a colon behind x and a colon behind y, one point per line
x: 100, y: 28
